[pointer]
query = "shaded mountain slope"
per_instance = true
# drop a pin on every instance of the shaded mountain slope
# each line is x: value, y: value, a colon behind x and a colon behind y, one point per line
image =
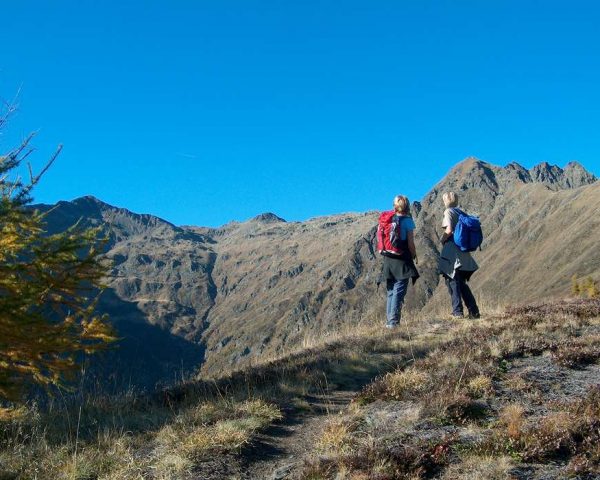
x: 158, y: 296
x: 163, y: 269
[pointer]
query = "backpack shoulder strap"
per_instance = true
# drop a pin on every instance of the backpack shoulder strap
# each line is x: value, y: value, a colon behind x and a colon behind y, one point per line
x: 400, y: 218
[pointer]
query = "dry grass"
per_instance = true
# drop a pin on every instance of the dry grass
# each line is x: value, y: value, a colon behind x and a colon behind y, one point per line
x: 404, y: 384
x: 337, y: 437
x: 165, y: 453
x: 480, y: 386
x: 168, y: 433
x: 452, y: 379
x: 462, y: 383
x: 476, y: 467
x: 512, y: 418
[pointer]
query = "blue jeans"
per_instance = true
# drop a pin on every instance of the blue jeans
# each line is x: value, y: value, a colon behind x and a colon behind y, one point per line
x: 396, y: 290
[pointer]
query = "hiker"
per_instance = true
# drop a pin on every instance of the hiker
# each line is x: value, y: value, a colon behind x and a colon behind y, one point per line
x: 456, y: 265
x: 395, y: 241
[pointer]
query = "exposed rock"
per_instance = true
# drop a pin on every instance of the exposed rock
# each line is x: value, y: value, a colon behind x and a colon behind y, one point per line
x: 268, y: 218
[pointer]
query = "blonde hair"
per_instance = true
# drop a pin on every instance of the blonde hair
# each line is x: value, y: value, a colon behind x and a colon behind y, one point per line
x: 402, y: 205
x: 450, y: 199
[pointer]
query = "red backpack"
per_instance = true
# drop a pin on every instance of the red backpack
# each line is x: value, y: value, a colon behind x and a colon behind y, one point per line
x: 388, y: 234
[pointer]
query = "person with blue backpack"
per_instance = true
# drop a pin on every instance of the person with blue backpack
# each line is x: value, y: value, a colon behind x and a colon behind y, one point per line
x: 462, y: 235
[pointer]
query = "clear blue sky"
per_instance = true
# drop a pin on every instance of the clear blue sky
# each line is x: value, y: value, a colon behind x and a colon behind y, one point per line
x: 206, y: 111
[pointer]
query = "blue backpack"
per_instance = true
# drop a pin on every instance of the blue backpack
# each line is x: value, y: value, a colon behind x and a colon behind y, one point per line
x: 467, y: 232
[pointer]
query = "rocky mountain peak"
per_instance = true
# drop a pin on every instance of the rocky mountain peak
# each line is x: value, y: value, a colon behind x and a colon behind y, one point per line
x: 518, y: 172
x: 574, y: 175
x: 479, y: 183
x: 267, y: 217
x: 468, y: 165
x: 545, y: 173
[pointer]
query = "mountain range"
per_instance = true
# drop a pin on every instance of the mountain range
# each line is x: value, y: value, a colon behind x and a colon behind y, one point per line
x: 210, y: 300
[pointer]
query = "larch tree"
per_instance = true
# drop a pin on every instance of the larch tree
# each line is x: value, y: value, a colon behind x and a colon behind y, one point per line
x: 49, y: 287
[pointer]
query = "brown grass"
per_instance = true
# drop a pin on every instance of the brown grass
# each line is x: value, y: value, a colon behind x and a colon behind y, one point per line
x: 464, y: 381
x: 512, y: 417
x: 456, y: 380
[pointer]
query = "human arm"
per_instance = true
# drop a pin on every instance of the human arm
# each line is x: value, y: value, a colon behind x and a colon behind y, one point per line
x: 447, y: 234
x: 448, y: 226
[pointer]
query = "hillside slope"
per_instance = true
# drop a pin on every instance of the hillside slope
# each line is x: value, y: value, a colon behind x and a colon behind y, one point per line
x: 512, y: 395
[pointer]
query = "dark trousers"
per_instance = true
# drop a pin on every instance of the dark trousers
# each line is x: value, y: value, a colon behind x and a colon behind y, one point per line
x: 459, y: 290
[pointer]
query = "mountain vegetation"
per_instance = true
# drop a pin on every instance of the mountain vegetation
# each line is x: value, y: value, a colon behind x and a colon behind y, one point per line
x: 512, y: 395
x: 47, y: 283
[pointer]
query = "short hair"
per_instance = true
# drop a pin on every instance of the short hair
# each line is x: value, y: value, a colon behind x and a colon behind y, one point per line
x: 402, y: 205
x: 450, y: 199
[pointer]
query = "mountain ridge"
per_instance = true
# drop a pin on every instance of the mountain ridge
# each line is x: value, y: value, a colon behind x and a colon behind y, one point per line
x: 257, y: 288
x: 542, y: 172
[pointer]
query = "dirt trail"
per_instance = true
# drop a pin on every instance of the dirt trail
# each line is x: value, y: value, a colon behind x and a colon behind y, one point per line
x: 279, y: 452
x: 281, y: 449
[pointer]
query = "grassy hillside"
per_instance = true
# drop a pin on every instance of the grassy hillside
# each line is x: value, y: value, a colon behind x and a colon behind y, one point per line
x: 513, y: 394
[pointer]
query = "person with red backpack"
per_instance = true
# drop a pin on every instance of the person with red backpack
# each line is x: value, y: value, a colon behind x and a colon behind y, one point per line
x: 396, y: 243
x: 462, y: 235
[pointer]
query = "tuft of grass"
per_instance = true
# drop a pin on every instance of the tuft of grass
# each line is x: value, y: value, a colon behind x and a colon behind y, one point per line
x: 403, y: 384
x: 215, y: 427
x: 512, y: 417
x: 336, y: 437
x: 480, y: 467
x: 480, y: 386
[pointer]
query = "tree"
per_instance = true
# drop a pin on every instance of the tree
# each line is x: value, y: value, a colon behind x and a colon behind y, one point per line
x: 575, y: 288
x: 591, y: 288
x: 588, y: 286
x: 49, y: 287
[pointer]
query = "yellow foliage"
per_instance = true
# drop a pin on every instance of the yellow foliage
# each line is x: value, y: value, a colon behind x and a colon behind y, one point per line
x: 587, y: 286
x: 48, y: 285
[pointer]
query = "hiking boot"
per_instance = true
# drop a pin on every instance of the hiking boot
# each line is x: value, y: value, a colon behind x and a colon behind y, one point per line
x: 474, y: 316
x: 391, y: 325
x: 457, y: 315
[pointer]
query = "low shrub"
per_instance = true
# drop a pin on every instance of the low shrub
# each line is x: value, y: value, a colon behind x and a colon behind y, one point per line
x: 576, y: 354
